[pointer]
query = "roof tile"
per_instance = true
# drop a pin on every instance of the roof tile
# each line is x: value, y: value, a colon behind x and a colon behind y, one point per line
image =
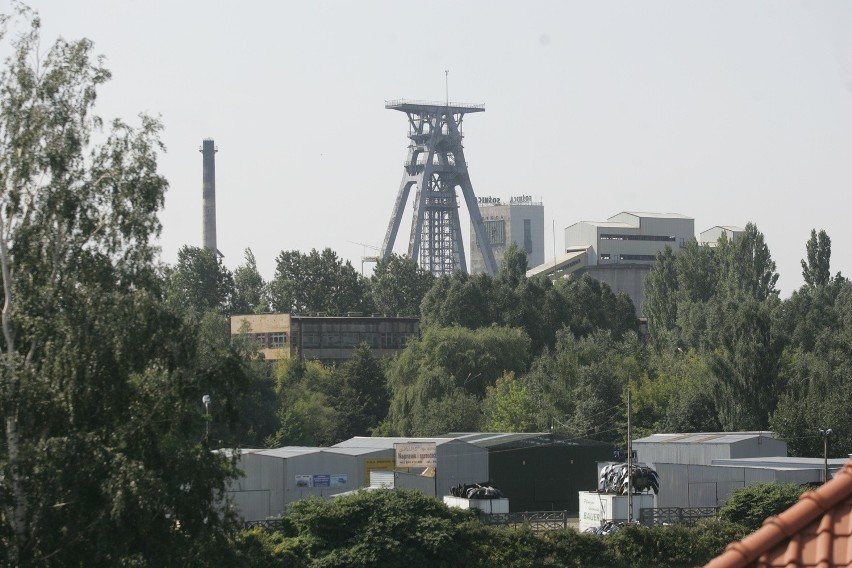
x: 815, y: 532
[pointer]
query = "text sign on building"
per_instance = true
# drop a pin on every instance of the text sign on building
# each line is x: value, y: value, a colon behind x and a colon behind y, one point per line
x: 416, y: 454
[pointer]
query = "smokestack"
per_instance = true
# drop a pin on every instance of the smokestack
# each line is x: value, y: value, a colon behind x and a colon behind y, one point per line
x: 208, y: 151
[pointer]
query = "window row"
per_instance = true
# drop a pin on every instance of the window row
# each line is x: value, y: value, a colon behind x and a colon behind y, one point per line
x: 617, y: 237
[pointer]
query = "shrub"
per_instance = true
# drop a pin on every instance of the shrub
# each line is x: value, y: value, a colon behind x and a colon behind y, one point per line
x: 751, y: 505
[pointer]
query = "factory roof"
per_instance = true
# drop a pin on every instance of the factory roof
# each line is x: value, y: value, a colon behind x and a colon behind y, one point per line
x: 386, y: 443
x: 816, y: 531
x: 521, y: 439
x: 704, y: 438
x: 780, y: 462
x: 652, y: 215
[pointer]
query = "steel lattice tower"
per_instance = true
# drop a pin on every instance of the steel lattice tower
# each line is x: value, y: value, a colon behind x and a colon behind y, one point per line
x: 436, y: 165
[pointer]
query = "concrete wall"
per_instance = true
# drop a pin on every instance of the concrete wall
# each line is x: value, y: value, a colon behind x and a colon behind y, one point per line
x: 513, y: 216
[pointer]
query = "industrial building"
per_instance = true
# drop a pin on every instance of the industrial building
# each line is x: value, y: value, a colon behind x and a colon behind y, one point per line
x: 275, y: 477
x: 458, y: 461
x: 520, y: 221
x: 329, y: 339
x: 540, y: 471
x: 701, y: 470
x: 711, y: 236
x: 621, y: 250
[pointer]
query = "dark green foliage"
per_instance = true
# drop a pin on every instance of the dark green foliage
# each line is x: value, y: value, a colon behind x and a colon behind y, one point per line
x: 199, y: 282
x: 398, y: 286
x: 437, y: 382
x: 250, y: 294
x: 751, y: 505
x: 381, y: 528
x: 363, y: 399
x: 103, y: 457
x: 317, y: 282
x: 405, y: 528
x: 817, y: 270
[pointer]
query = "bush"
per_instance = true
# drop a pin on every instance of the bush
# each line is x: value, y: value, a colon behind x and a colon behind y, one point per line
x: 751, y: 505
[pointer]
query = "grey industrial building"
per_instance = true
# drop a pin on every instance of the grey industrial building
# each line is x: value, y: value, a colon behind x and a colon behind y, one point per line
x: 519, y: 220
x: 540, y: 471
x: 701, y: 470
x: 621, y: 250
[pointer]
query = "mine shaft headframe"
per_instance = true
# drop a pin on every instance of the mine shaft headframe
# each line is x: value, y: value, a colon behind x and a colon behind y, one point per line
x: 436, y: 165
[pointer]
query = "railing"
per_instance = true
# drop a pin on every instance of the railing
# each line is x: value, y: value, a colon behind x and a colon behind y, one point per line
x: 268, y: 524
x: 398, y: 102
x: 670, y: 515
x: 538, y: 521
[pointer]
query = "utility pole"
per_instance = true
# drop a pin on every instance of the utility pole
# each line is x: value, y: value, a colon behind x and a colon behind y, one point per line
x: 825, y: 433
x: 629, y: 459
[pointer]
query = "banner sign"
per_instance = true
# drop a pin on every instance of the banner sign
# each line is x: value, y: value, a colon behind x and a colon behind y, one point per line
x: 416, y: 454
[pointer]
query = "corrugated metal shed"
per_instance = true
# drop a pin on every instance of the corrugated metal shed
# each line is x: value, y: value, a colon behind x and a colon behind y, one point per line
x: 703, y: 448
x: 540, y: 471
x: 459, y: 462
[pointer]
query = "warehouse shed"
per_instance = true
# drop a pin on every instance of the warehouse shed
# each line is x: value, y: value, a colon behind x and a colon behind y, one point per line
x: 540, y: 471
x: 703, y: 448
x: 458, y: 461
x: 276, y: 477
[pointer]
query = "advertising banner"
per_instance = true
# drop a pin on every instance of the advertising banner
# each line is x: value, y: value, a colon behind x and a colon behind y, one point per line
x: 323, y: 480
x: 304, y: 481
x: 416, y: 454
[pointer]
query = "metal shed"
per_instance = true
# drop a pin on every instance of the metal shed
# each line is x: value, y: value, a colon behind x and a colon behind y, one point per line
x: 540, y: 471
x: 703, y: 448
x: 275, y: 477
x: 458, y: 461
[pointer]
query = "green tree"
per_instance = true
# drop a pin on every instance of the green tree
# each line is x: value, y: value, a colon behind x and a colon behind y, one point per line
x: 100, y: 383
x: 317, y: 282
x: 363, y: 397
x: 398, y: 286
x: 661, y: 288
x: 200, y: 282
x: 249, y: 287
x: 437, y: 383
x: 817, y: 270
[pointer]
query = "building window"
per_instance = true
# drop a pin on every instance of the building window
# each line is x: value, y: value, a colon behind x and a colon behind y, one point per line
x: 605, y: 256
x: 260, y: 340
x: 277, y: 339
x: 650, y: 257
x: 528, y: 236
x: 496, y: 231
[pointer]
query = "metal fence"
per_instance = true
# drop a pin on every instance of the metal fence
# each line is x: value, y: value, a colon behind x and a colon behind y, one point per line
x: 538, y: 521
x: 670, y: 515
x: 268, y: 524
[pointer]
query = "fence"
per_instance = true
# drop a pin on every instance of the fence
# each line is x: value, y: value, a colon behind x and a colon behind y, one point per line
x: 268, y: 524
x: 538, y: 521
x: 669, y: 515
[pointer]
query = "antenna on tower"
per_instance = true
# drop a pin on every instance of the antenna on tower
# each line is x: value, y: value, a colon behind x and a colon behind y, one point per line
x: 447, y: 85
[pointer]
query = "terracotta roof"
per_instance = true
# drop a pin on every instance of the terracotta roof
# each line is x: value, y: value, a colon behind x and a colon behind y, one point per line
x: 816, y: 531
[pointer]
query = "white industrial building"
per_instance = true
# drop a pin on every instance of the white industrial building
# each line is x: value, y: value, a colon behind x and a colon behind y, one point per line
x: 520, y: 221
x: 711, y: 236
x: 621, y: 250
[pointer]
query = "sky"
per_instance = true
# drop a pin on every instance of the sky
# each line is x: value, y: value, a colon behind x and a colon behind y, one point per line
x: 729, y: 112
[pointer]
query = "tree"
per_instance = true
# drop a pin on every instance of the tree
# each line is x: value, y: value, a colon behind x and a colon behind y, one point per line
x: 363, y: 397
x: 437, y: 383
x: 752, y: 505
x: 102, y: 459
x: 249, y: 287
x: 661, y: 288
x: 200, y: 282
x: 817, y: 270
x: 398, y: 286
x: 317, y: 282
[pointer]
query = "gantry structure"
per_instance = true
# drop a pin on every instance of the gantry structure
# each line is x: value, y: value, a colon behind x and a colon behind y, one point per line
x: 436, y: 165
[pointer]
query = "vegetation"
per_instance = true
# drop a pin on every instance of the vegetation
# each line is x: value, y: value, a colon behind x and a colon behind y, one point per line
x: 404, y: 528
x: 751, y: 505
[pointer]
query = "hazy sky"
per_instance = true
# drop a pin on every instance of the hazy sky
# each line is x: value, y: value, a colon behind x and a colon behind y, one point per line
x: 726, y: 111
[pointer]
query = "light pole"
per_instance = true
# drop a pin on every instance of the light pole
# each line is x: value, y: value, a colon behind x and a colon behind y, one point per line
x: 825, y: 433
x: 206, y: 400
